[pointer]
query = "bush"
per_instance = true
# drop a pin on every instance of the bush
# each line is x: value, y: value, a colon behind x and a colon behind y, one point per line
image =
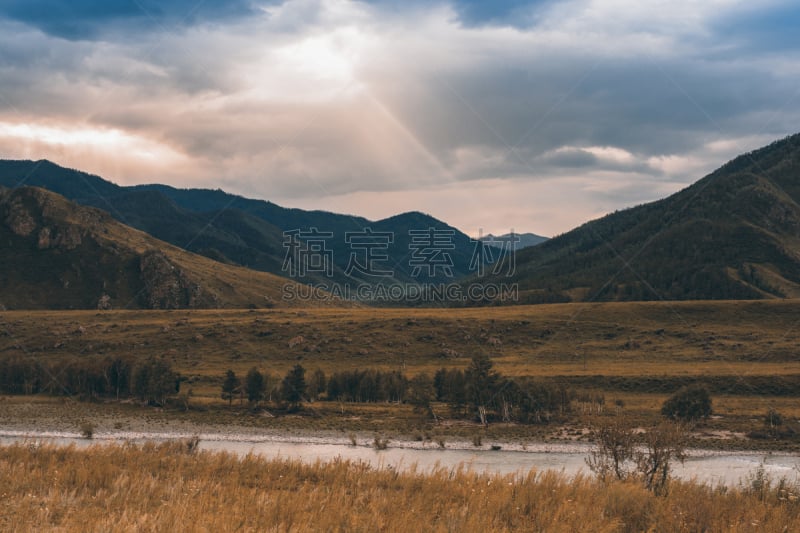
x: 87, y: 430
x: 689, y: 403
x: 615, y: 453
x: 618, y: 457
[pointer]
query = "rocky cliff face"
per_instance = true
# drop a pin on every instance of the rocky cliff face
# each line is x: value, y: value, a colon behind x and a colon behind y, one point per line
x: 65, y: 250
x: 167, y: 286
x: 35, y: 214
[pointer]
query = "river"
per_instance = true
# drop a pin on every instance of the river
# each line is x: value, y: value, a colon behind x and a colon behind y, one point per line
x: 706, y: 466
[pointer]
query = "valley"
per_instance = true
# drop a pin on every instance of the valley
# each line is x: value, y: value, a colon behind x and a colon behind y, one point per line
x: 619, y: 359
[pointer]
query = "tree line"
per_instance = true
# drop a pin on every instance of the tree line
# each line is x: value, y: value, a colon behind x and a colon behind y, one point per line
x: 477, y: 391
x: 150, y: 380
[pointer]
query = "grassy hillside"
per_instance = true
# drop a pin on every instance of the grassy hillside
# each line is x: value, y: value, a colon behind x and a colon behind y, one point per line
x: 59, y: 255
x: 735, y: 234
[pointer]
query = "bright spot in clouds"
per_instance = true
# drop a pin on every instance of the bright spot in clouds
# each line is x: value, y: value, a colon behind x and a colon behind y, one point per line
x: 488, y: 115
x: 87, y: 138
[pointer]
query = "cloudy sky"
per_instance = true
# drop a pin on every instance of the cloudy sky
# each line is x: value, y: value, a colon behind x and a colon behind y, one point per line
x: 535, y: 115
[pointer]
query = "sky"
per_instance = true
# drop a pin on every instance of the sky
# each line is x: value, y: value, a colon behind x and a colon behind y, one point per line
x: 526, y: 115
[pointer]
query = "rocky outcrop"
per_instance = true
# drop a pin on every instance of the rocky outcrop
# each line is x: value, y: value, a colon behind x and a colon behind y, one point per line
x: 165, y: 285
x: 66, y: 238
x: 30, y: 212
x: 58, y: 255
x: 19, y: 219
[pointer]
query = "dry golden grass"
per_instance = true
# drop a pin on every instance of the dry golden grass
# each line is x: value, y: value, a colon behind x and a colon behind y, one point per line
x: 619, y: 339
x: 166, y: 488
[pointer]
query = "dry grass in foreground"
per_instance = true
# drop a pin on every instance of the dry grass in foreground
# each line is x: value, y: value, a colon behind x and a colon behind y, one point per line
x: 168, y: 488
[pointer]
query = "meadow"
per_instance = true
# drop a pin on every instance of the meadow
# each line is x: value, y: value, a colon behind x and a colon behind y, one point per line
x: 632, y: 355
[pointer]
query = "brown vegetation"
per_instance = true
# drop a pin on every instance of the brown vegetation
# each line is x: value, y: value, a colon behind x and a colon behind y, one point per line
x: 174, y: 487
x: 622, y: 358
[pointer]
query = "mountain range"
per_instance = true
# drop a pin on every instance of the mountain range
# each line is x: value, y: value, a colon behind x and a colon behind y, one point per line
x: 255, y: 233
x: 734, y: 234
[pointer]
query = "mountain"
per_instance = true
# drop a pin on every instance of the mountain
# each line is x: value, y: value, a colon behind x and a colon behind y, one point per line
x: 517, y: 240
x: 735, y: 234
x: 55, y: 254
x: 399, y: 250
x: 252, y: 233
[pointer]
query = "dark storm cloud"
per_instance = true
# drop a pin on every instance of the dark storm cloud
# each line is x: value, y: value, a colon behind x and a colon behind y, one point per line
x: 647, y: 106
x: 87, y: 19
x: 517, y: 13
x: 476, y: 13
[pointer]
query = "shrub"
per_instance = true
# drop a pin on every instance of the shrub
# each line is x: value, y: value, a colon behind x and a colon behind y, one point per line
x: 662, y: 445
x: 618, y: 457
x: 87, y: 430
x: 614, y: 455
x: 689, y: 403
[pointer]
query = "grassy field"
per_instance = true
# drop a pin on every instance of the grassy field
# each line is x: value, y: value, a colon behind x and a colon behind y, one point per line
x: 634, y: 354
x: 170, y: 488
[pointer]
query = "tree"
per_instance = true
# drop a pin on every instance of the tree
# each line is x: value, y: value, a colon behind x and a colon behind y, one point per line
x: 421, y: 392
x: 154, y: 381
x: 230, y: 386
x: 293, y: 386
x: 451, y: 387
x: 617, y: 455
x: 614, y: 456
x: 254, y: 386
x: 538, y: 402
x: 118, y: 376
x: 688, y: 404
x: 662, y: 445
x: 773, y: 420
x: 440, y: 384
x: 481, y: 384
x: 317, y: 384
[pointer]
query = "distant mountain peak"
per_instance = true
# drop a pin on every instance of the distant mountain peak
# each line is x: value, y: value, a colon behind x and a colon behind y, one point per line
x: 522, y: 240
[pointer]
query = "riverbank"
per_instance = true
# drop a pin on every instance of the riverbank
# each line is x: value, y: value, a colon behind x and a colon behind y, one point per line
x: 175, y: 487
x: 63, y: 418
